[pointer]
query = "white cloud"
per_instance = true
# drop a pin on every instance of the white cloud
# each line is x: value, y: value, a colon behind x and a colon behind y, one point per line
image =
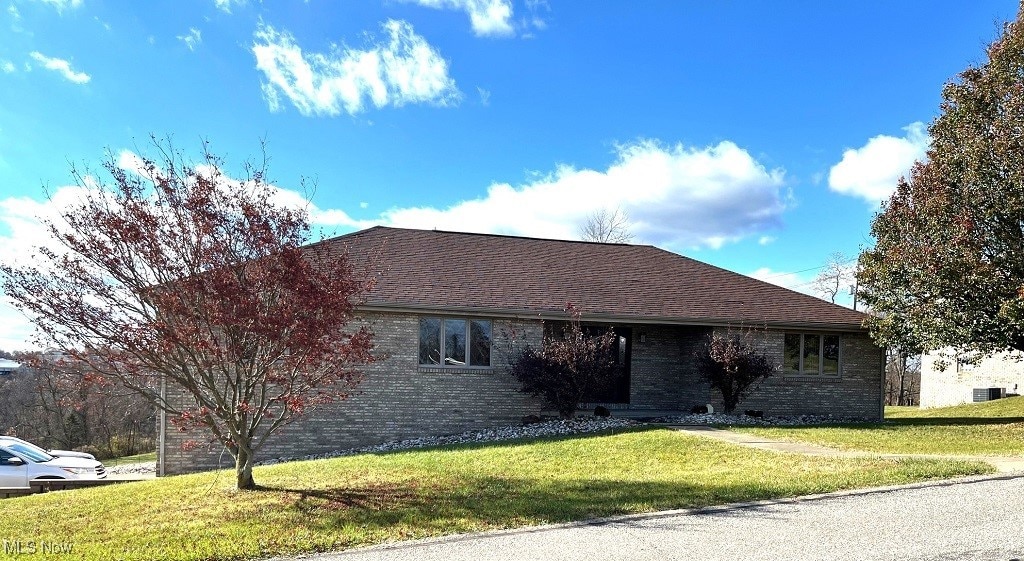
x: 20, y: 217
x: 62, y: 5
x: 192, y: 39
x: 872, y: 171
x: 225, y: 5
x: 130, y: 161
x: 7, y: 67
x: 765, y: 240
x: 15, y: 14
x: 401, y: 70
x: 673, y: 195
x: 485, y: 96
x: 535, y: 7
x: 61, y: 66
x: 489, y: 18
x: 133, y: 163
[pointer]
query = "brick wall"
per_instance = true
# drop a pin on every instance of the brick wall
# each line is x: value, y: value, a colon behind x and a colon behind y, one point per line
x: 399, y: 399
x: 946, y: 381
x: 664, y: 377
x: 855, y: 392
x: 396, y: 400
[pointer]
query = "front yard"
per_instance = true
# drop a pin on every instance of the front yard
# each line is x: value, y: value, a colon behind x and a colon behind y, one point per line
x: 994, y: 428
x: 373, y: 498
x: 145, y: 457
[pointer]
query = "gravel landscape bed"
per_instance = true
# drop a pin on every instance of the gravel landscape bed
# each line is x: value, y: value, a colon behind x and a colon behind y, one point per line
x: 536, y: 430
x: 744, y: 420
x: 132, y: 469
x: 560, y: 427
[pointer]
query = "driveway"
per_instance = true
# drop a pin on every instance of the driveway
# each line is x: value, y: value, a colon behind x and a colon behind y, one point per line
x: 976, y: 519
x: 1003, y: 464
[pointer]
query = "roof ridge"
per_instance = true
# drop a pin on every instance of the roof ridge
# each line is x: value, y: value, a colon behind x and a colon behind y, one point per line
x: 484, y: 234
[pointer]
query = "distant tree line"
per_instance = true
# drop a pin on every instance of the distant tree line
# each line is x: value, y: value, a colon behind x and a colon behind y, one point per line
x: 902, y: 378
x: 59, y: 403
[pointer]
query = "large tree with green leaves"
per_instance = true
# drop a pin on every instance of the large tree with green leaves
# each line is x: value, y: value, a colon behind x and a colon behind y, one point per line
x: 948, y: 265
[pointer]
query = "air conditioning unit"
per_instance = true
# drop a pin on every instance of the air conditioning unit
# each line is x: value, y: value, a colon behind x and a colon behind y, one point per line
x: 988, y: 394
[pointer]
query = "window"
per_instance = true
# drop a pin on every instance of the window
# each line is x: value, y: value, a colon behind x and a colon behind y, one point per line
x: 455, y: 342
x: 811, y: 354
x: 966, y: 362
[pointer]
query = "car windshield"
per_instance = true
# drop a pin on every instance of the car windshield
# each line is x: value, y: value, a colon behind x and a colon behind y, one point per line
x: 6, y: 441
x: 29, y: 452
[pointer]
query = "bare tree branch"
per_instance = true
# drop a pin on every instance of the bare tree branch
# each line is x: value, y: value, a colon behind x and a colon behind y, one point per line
x: 834, y: 277
x: 606, y: 227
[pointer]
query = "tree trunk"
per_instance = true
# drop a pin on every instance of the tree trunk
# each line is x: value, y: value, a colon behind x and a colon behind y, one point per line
x: 902, y: 400
x: 730, y: 400
x: 243, y: 469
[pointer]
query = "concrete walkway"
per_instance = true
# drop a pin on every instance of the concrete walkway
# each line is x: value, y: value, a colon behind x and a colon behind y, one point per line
x: 1003, y: 464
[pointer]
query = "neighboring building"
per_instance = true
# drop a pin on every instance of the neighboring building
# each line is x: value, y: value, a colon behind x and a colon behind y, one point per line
x: 952, y: 378
x: 445, y: 312
x: 8, y: 367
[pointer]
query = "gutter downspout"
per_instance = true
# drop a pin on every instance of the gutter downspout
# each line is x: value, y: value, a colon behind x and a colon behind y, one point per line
x: 881, y: 389
x: 162, y: 430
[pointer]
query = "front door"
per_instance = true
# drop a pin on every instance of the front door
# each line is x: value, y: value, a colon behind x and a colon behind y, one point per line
x: 617, y: 392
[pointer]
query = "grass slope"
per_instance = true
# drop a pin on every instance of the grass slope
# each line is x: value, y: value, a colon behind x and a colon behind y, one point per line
x: 1011, y: 407
x: 346, y: 502
x: 137, y: 458
x: 994, y: 428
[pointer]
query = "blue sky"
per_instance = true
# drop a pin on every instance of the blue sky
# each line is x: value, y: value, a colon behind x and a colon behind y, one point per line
x: 757, y: 136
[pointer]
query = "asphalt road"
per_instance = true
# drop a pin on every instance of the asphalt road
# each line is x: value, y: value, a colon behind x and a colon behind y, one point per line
x: 976, y: 520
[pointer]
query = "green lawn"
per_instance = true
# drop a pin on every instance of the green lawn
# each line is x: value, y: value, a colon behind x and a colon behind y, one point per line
x: 147, y: 457
x: 346, y: 502
x: 994, y: 428
x: 1011, y: 407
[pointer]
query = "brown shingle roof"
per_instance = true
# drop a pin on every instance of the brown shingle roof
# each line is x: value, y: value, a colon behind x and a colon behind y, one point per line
x: 480, y: 272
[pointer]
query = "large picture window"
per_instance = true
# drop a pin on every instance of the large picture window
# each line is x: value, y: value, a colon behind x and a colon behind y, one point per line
x: 811, y: 354
x: 455, y: 342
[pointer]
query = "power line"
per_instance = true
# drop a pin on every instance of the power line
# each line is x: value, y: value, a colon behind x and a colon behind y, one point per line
x: 773, y: 275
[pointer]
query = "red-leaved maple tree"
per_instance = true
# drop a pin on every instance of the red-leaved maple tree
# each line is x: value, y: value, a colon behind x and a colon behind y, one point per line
x: 175, y: 272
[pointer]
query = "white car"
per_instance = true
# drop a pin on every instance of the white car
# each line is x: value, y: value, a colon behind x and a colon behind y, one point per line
x: 20, y: 465
x: 58, y: 453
